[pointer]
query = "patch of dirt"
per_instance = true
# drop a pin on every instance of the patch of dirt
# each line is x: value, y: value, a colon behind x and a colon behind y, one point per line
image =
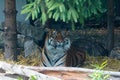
x: 68, y: 75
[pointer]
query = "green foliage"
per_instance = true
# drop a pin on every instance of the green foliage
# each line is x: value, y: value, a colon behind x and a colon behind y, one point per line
x: 31, y: 78
x: 19, y: 78
x: 64, y: 10
x: 98, y: 74
x: 33, y: 8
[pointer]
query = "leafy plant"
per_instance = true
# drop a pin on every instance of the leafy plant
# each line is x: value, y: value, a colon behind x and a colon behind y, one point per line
x: 31, y: 78
x: 98, y: 74
x: 74, y: 11
x: 19, y: 78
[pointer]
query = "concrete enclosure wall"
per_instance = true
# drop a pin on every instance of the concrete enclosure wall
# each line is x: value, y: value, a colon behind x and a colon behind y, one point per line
x: 19, y: 5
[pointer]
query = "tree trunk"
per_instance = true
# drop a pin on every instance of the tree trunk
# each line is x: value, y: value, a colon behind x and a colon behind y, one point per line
x: 10, y: 39
x: 110, y: 25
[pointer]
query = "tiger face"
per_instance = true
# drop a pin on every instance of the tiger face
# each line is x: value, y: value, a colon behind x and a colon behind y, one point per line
x: 57, y: 40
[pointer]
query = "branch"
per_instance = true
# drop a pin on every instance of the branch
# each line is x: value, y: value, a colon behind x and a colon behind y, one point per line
x: 6, y: 78
x: 71, y: 69
x: 18, y: 69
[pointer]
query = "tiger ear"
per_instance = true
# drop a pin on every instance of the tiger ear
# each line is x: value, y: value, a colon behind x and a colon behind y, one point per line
x: 50, y: 31
x: 47, y: 30
x: 65, y: 33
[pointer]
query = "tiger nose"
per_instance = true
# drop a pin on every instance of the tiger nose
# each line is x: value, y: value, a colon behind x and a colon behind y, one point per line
x: 60, y: 43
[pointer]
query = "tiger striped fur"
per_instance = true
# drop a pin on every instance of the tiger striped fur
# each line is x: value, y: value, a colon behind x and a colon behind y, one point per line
x: 57, y: 51
x: 75, y: 56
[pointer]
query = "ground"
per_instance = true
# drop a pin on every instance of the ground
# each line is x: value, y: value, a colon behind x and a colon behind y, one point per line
x: 100, y: 35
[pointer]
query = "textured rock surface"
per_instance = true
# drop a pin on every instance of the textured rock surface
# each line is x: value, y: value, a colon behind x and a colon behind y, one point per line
x: 91, y: 46
x: 30, y: 48
x: 115, y: 53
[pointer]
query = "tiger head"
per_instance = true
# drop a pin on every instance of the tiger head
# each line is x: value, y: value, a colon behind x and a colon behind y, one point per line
x: 57, y: 40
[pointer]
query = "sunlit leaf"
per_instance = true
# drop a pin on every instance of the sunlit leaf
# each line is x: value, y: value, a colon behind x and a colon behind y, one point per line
x: 28, y: 16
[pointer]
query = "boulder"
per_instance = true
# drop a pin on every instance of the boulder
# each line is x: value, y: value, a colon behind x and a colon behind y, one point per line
x: 91, y: 46
x: 31, y: 48
x: 28, y: 37
x: 115, y: 53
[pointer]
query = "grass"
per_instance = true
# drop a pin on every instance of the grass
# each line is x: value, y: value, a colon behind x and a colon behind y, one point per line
x: 113, y: 64
x: 99, y: 74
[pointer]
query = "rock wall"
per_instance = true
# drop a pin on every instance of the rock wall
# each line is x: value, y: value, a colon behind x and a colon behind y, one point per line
x: 28, y: 36
x: 32, y: 36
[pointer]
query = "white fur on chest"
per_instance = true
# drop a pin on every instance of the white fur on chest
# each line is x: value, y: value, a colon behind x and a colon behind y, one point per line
x: 55, y: 55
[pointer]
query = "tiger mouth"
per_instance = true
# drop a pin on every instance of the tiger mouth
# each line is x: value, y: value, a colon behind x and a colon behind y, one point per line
x: 58, y: 46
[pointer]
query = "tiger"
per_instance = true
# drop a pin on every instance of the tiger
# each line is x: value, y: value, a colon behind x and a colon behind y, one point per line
x: 57, y: 51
